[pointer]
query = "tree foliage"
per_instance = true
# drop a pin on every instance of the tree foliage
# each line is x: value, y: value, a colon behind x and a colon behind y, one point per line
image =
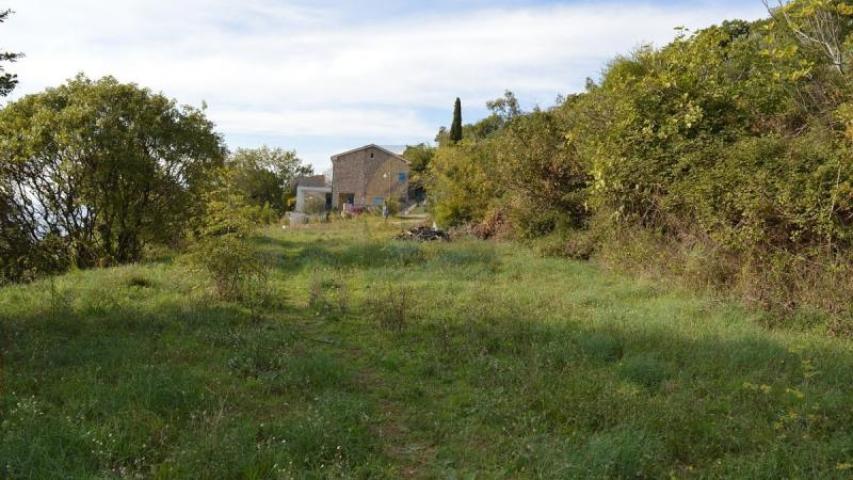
x: 542, y: 174
x: 92, y: 171
x: 735, y: 140
x: 456, y: 125
x: 222, y: 245
x: 420, y: 158
x: 7, y: 80
x: 266, y: 175
x: 462, y: 183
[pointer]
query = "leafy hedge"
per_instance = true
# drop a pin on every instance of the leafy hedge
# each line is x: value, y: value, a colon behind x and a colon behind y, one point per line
x: 733, y: 144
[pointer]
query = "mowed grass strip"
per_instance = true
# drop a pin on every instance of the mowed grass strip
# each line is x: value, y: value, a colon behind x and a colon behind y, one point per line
x: 382, y: 359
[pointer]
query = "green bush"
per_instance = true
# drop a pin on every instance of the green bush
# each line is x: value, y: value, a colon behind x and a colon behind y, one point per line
x: 462, y: 184
x: 328, y: 295
x: 601, y: 346
x: 724, y: 158
x: 315, y: 206
x: 394, y: 206
x: 113, y: 168
x: 645, y: 369
x: 391, y: 308
x: 624, y: 453
x: 236, y: 268
x: 224, y: 250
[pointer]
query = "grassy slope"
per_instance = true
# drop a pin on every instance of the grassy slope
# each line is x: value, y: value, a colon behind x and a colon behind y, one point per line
x: 498, y: 362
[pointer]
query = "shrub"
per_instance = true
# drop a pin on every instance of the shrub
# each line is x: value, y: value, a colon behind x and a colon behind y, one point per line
x: 315, y: 206
x: 236, y: 268
x: 462, y: 184
x: 223, y: 248
x: 391, y: 307
x: 394, y: 206
x: 723, y: 158
x: 328, y: 295
x: 138, y: 281
x: 624, y: 453
x: 645, y: 369
x: 112, y: 167
x: 601, y: 346
x: 543, y: 175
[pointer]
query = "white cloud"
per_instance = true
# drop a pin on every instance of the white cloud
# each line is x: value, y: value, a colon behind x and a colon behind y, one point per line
x: 347, y: 122
x: 268, y: 67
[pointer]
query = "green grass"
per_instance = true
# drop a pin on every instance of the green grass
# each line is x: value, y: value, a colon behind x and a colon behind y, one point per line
x: 380, y: 359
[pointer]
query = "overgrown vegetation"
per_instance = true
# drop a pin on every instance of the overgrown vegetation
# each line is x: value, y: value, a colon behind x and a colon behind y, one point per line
x: 8, y: 81
x: 390, y: 360
x: 266, y: 176
x: 92, y: 172
x: 725, y: 158
x: 331, y: 351
x: 222, y: 246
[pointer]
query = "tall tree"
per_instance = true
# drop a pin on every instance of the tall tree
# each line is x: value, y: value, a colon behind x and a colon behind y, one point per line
x: 104, y: 169
x: 506, y: 107
x: 7, y: 80
x: 456, y: 126
x: 266, y: 175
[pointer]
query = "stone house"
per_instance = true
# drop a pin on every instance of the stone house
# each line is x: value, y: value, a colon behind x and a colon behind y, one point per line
x: 368, y: 176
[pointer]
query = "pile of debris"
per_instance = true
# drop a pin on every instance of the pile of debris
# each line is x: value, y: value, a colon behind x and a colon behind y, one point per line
x: 424, y: 233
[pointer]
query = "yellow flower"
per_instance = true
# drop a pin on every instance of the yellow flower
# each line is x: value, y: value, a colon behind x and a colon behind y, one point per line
x: 793, y: 391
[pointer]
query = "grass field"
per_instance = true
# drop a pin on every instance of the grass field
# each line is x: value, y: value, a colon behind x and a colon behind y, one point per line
x: 381, y: 359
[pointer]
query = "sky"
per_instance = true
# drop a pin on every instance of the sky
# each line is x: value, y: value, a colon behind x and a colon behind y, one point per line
x: 326, y: 76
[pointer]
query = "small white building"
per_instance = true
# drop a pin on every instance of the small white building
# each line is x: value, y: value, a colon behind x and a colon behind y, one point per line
x: 313, y: 194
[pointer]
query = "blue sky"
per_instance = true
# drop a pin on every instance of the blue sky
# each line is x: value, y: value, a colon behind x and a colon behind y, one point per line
x: 324, y: 76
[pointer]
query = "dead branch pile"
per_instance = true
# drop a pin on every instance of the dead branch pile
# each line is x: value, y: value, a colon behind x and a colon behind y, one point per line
x: 424, y: 233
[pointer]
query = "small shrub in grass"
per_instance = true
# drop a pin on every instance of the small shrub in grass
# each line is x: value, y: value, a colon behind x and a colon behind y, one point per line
x: 390, y: 307
x: 139, y: 281
x: 601, y: 346
x: 257, y: 356
x: 328, y: 294
x: 405, y: 253
x: 60, y: 299
x: 314, y: 371
x: 394, y: 206
x: 644, y: 369
x: 236, y: 268
x: 224, y: 249
x: 575, y: 244
x: 624, y: 453
x: 333, y: 434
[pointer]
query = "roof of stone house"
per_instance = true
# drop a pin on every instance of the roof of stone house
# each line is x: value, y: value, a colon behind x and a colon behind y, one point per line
x: 312, y: 181
x: 372, y: 145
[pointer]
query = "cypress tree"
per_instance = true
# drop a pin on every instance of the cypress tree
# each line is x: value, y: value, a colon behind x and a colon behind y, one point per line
x: 456, y: 126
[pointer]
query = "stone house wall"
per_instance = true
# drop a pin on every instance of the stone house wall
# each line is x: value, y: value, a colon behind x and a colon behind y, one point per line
x: 371, y: 175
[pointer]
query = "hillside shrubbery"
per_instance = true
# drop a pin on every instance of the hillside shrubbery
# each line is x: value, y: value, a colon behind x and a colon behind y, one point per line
x: 93, y: 171
x: 724, y: 156
x: 266, y: 176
